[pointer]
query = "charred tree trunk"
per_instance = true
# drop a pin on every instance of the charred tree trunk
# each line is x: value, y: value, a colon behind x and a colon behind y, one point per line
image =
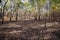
x: 39, y: 18
x: 16, y: 16
x: 10, y: 17
x: 36, y: 16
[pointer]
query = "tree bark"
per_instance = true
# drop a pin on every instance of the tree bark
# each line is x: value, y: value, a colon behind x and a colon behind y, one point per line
x: 36, y: 16
x: 3, y: 11
x: 10, y: 17
x: 16, y: 16
x: 39, y: 14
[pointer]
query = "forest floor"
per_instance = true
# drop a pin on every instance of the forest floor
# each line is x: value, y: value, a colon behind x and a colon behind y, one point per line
x: 29, y: 30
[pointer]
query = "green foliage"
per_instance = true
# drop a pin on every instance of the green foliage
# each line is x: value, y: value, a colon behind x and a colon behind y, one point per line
x: 55, y: 3
x: 18, y: 2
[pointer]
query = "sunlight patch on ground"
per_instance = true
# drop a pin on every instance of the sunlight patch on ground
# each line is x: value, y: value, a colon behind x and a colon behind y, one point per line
x: 16, y: 31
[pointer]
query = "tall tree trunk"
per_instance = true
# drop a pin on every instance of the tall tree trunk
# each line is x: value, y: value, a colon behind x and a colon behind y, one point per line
x: 39, y: 14
x: 16, y: 16
x: 36, y: 16
x: 10, y: 17
x: 3, y: 16
x: 3, y: 11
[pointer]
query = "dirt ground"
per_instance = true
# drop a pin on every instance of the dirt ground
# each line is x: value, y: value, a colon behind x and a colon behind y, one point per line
x: 29, y: 30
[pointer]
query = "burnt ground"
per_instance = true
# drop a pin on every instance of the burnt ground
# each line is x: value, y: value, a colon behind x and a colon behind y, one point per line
x: 30, y: 30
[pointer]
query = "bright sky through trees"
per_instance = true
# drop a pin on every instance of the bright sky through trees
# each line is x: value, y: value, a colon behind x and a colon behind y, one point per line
x: 24, y: 1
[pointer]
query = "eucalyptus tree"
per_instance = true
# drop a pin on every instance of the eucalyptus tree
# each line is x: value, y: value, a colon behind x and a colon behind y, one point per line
x: 55, y: 7
x: 54, y: 4
x: 5, y: 2
x: 32, y: 3
x: 0, y: 9
x: 17, y: 5
x: 9, y: 8
x: 39, y: 4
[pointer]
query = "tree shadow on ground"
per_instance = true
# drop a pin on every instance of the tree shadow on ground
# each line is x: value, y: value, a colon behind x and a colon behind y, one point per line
x: 57, y: 34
